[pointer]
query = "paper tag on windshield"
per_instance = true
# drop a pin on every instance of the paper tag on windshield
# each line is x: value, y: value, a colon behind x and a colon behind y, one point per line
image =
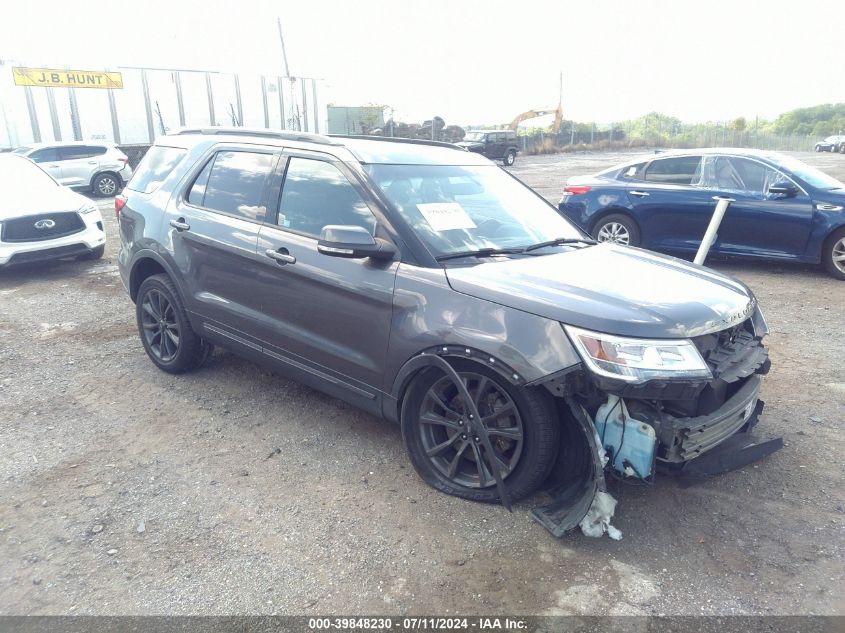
x: 446, y: 216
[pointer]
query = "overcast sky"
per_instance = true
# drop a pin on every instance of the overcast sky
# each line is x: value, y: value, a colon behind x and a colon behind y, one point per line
x: 468, y: 61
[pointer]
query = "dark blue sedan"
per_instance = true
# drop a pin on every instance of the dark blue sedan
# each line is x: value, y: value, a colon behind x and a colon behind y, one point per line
x: 782, y: 208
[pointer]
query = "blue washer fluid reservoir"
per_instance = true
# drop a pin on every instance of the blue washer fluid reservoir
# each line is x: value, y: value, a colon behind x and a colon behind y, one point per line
x: 630, y: 443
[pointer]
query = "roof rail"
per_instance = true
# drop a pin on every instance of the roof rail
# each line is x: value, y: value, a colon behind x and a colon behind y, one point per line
x: 397, y: 139
x: 284, y: 135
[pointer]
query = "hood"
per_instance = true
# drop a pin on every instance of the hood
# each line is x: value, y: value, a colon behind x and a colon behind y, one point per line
x: 17, y: 201
x: 612, y: 289
x: 470, y: 145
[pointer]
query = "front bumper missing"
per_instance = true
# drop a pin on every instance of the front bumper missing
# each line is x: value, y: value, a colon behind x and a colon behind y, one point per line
x: 714, y: 444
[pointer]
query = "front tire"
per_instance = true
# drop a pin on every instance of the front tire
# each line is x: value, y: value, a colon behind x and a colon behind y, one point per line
x: 96, y: 253
x: 833, y: 254
x: 106, y: 185
x: 617, y: 229
x: 510, y: 158
x: 164, y: 328
x: 521, y: 422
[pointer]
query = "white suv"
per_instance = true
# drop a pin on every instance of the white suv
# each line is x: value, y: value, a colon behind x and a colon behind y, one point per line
x: 98, y: 167
x: 41, y: 220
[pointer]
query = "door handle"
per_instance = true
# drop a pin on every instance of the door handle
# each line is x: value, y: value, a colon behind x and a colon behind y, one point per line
x: 92, y: 162
x: 828, y: 207
x: 639, y: 194
x: 180, y: 224
x: 281, y: 256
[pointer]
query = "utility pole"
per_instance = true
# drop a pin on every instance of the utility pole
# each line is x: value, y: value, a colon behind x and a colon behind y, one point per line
x: 294, y: 118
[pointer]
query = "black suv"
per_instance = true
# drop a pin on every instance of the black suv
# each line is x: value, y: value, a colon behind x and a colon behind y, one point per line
x: 428, y: 286
x: 494, y: 144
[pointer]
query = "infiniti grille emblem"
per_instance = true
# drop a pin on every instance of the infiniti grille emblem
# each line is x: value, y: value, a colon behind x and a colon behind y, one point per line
x: 43, y: 225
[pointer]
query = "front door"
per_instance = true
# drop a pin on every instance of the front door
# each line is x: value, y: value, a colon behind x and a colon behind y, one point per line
x: 213, y: 229
x: 757, y: 222
x: 48, y: 159
x: 326, y: 316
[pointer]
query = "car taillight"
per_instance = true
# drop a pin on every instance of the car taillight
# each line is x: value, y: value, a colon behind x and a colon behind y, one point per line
x: 123, y: 160
x: 575, y: 190
x: 119, y: 203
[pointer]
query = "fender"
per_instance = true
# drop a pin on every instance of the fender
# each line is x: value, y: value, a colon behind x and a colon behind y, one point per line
x: 430, y: 357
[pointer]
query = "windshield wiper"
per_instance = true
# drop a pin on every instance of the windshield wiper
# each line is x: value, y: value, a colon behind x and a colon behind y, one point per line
x: 481, y: 252
x: 559, y: 242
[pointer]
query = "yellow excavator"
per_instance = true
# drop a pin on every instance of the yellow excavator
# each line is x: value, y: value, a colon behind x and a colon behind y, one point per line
x: 530, y: 114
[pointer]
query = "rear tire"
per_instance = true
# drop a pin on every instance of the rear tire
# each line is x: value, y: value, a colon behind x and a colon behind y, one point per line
x: 164, y: 328
x: 526, y: 412
x: 617, y: 228
x: 510, y: 158
x: 105, y: 185
x: 833, y: 254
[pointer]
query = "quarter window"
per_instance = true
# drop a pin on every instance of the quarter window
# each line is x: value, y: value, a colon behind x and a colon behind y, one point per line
x: 157, y: 164
x: 681, y: 170
x: 316, y: 194
x: 233, y: 183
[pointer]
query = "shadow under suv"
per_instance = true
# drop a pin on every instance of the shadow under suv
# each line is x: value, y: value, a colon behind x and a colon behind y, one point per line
x: 426, y: 285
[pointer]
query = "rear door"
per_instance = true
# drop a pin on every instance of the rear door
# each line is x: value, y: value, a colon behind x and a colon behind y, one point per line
x: 213, y: 227
x: 326, y: 317
x: 496, y: 149
x: 756, y: 222
x: 672, y: 213
x: 79, y: 164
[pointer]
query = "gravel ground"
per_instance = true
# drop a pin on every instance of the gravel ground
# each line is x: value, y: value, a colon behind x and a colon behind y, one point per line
x: 234, y: 491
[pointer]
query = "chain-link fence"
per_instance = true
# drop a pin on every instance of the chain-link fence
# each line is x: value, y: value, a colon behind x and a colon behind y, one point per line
x: 618, y: 139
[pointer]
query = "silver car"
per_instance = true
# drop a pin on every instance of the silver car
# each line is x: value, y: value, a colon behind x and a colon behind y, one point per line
x: 93, y: 166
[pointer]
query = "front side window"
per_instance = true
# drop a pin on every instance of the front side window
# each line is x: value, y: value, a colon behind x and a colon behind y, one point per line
x: 680, y: 170
x: 315, y: 194
x: 233, y: 182
x: 156, y: 165
x: 455, y: 208
x: 46, y: 155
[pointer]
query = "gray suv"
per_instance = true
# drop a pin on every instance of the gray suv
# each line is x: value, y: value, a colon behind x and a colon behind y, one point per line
x: 101, y: 168
x: 427, y: 286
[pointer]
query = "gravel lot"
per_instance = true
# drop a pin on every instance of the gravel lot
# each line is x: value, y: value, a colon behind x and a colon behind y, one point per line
x: 234, y: 491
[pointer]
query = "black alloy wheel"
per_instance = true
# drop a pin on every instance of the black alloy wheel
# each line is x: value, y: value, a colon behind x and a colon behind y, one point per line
x: 454, y: 451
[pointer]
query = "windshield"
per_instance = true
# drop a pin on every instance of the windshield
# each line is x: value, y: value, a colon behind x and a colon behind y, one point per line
x: 812, y: 176
x: 22, y: 174
x: 456, y: 208
x: 474, y: 136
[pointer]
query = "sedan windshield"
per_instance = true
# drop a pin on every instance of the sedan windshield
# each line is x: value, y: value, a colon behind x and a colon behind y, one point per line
x: 812, y: 176
x: 457, y: 209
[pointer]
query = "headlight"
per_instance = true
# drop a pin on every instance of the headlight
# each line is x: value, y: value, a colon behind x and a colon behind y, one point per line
x: 89, y: 208
x: 638, y: 360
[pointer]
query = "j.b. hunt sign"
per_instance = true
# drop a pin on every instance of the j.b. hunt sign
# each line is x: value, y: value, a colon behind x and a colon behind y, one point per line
x: 60, y: 78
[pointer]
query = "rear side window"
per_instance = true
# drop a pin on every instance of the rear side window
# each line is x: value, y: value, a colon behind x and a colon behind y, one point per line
x: 233, y: 182
x: 157, y: 164
x: 674, y: 171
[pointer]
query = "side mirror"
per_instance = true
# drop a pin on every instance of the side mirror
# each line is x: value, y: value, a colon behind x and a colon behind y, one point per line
x: 353, y: 242
x: 783, y: 188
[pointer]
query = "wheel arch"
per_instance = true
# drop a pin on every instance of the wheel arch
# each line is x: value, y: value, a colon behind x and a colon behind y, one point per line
x: 600, y: 215
x: 108, y: 172
x: 392, y: 404
x: 147, y: 264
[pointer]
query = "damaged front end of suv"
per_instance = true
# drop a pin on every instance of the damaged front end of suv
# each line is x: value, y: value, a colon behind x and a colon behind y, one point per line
x: 683, y: 407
